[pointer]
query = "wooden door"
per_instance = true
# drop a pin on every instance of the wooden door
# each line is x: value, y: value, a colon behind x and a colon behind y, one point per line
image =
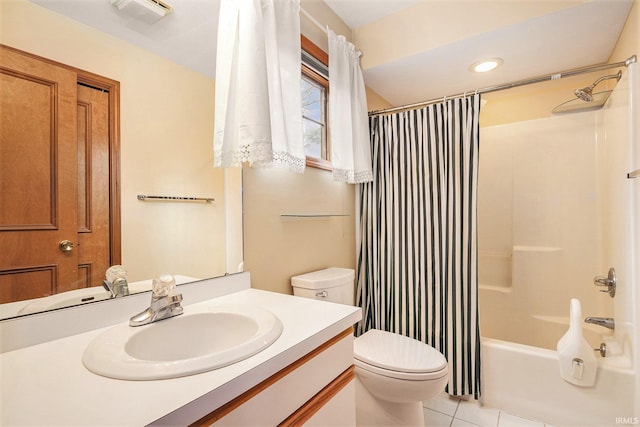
x: 38, y: 169
x: 57, y: 180
x: 93, y: 186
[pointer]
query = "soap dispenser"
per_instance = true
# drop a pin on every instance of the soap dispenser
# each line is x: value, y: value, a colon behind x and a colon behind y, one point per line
x: 578, y: 363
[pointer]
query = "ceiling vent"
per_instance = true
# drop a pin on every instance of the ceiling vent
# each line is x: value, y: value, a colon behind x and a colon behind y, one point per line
x: 144, y: 10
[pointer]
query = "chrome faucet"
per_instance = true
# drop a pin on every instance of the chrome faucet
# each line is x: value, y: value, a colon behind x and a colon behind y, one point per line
x: 607, y: 322
x: 116, y: 282
x: 163, y: 303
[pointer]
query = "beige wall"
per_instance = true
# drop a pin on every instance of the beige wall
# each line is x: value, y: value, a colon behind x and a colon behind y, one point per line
x: 595, y: 206
x: 418, y: 27
x: 427, y: 24
x: 375, y: 101
x: 536, y: 101
x: 629, y: 40
x: 161, y: 121
x: 166, y: 141
x: 325, y: 16
x: 276, y: 247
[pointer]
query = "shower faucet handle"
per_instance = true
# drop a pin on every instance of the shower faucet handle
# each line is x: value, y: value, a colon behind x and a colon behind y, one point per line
x: 609, y: 282
x: 603, y: 281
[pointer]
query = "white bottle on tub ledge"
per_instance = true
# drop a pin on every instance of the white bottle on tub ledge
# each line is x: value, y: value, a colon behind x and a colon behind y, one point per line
x: 578, y: 364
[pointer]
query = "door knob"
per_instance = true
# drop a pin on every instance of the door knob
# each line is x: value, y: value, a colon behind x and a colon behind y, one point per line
x: 66, y: 246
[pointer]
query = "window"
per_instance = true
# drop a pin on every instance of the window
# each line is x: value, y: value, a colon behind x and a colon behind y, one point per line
x: 315, y: 91
x: 313, y: 118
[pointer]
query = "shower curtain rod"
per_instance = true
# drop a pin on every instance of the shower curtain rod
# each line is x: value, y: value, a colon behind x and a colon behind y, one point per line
x: 632, y: 59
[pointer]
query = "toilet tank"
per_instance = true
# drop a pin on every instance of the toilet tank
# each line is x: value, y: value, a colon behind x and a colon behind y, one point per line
x: 331, y: 284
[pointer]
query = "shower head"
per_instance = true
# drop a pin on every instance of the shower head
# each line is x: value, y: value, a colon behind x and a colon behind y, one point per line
x: 586, y: 93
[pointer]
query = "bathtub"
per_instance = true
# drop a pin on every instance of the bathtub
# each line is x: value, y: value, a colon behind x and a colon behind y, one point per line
x: 524, y: 381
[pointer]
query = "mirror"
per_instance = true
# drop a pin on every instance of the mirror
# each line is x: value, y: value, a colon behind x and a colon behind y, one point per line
x: 166, y: 137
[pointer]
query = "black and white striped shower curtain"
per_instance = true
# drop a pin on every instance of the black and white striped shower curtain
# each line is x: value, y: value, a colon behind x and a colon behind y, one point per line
x: 417, y: 263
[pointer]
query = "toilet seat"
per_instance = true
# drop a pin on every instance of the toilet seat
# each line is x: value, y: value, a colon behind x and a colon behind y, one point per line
x: 397, y: 356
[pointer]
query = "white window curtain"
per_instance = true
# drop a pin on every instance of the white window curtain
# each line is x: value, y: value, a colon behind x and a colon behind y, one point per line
x: 258, y: 115
x: 348, y: 121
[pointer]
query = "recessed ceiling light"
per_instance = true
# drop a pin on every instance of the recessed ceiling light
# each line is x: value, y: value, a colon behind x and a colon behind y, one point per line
x: 485, y: 65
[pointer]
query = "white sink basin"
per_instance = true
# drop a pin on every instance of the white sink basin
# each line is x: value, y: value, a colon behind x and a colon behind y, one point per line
x: 188, y: 344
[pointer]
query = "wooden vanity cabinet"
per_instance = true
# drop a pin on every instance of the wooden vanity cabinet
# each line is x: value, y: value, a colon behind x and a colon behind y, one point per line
x: 317, y: 389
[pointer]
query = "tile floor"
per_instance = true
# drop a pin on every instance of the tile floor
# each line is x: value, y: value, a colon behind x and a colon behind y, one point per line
x: 445, y: 411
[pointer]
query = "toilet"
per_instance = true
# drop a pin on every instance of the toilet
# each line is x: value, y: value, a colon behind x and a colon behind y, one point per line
x: 394, y: 373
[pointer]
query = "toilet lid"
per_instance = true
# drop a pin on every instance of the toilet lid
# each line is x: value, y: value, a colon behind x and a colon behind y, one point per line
x: 397, y: 353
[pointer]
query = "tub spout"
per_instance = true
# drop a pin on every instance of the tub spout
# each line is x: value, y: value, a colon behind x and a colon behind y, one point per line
x: 607, y: 322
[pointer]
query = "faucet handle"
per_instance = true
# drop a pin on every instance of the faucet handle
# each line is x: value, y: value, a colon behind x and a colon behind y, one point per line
x: 609, y: 282
x: 115, y: 272
x: 163, y: 285
x: 602, y: 349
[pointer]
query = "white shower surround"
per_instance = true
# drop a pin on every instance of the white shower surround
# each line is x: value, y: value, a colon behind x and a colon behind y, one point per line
x: 634, y: 114
x: 524, y: 379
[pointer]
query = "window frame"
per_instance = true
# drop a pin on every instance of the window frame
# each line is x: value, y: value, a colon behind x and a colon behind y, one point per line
x: 316, y: 52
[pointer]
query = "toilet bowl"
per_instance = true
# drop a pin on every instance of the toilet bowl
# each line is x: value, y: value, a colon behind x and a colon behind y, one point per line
x: 394, y: 373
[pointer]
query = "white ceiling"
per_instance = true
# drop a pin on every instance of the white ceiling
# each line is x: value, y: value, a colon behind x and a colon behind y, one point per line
x: 572, y: 37
x: 188, y: 35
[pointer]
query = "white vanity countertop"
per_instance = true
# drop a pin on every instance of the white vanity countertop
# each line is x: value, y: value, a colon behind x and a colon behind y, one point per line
x: 47, y: 384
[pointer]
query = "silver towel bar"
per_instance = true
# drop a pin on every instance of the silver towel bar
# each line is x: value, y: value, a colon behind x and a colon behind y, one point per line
x: 634, y: 174
x: 176, y: 198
